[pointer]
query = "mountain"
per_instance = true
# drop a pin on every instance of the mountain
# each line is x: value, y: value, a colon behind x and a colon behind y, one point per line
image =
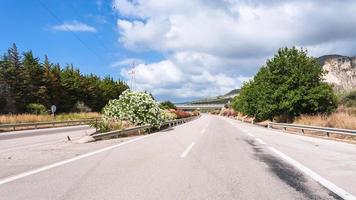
x: 222, y: 99
x: 341, y: 71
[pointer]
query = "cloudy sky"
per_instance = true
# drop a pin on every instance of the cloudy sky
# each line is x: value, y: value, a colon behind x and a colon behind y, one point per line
x: 182, y: 49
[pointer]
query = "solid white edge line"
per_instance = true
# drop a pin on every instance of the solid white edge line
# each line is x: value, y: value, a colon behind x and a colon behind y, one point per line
x: 57, y: 164
x: 246, y: 132
x: 326, y: 183
x: 260, y: 141
x: 186, y: 151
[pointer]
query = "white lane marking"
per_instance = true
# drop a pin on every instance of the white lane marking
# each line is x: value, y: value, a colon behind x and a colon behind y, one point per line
x: 186, y: 151
x: 326, y: 183
x: 57, y: 164
x: 250, y: 134
x: 246, y: 132
x: 260, y: 141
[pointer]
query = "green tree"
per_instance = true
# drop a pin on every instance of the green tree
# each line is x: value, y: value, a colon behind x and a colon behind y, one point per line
x: 288, y: 85
x: 12, y: 74
x: 26, y: 80
x: 33, y: 80
x: 167, y: 105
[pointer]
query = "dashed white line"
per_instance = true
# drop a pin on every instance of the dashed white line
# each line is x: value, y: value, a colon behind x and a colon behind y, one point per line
x: 326, y: 183
x: 57, y: 164
x: 260, y: 141
x: 186, y: 151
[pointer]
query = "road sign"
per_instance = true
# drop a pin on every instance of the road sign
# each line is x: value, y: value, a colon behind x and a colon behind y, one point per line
x: 53, y: 109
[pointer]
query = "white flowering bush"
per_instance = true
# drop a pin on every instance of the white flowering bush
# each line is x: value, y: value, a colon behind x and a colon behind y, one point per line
x: 137, y: 107
x: 168, y: 115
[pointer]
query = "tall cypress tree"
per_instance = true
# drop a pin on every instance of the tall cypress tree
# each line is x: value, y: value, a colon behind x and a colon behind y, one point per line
x: 14, y: 81
x: 33, y: 80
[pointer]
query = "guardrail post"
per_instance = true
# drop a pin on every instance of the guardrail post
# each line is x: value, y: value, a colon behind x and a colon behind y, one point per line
x: 328, y: 134
x: 14, y: 127
x: 285, y: 128
x: 303, y: 131
x: 96, y: 125
x: 268, y: 125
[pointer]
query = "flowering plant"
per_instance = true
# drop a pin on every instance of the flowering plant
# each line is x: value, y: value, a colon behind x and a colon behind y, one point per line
x: 137, y: 107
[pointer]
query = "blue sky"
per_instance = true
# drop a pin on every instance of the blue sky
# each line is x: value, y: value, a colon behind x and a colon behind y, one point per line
x: 30, y: 25
x: 183, y: 49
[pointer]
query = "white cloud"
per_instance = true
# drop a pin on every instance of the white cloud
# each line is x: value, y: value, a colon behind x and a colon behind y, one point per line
x: 127, y: 62
x: 219, y: 44
x: 74, y: 26
x: 165, y: 78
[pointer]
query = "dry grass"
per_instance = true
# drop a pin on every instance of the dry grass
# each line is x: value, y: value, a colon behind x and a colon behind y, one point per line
x: 336, y: 120
x: 23, y: 118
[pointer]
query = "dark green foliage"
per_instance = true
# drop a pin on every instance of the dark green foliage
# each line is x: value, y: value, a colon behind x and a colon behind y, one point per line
x: 25, y: 80
x: 36, y: 108
x: 349, y: 99
x: 167, y: 105
x: 288, y: 85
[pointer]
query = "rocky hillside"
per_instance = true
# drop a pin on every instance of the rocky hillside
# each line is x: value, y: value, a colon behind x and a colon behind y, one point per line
x: 222, y: 99
x: 341, y: 71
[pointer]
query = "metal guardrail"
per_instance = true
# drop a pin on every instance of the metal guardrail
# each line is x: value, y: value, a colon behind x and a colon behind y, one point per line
x: 117, y: 133
x: 52, y: 123
x: 313, y: 128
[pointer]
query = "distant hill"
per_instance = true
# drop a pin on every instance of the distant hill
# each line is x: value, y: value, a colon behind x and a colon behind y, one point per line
x: 341, y: 71
x: 222, y: 99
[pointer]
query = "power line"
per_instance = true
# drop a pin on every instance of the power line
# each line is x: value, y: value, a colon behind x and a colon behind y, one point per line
x: 73, y: 33
x: 75, y: 11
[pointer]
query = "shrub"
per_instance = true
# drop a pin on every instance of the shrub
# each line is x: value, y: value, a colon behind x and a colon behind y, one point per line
x: 195, y: 113
x: 181, y: 114
x: 349, y: 99
x: 168, y: 115
x: 136, y: 107
x: 37, y: 109
x: 167, y: 105
x: 227, y: 112
x: 107, y: 125
x: 290, y: 84
x: 81, y: 107
x: 335, y: 120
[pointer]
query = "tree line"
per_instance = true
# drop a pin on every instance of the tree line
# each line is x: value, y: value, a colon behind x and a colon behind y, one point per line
x: 288, y: 85
x: 25, y: 80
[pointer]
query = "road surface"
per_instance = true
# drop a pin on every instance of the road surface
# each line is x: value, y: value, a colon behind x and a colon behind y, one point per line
x: 47, y: 131
x: 208, y: 158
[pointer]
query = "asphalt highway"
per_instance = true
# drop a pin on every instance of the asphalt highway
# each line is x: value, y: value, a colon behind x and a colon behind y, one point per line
x: 208, y: 158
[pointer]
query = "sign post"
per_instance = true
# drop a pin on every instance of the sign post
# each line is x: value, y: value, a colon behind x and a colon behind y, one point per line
x: 53, y: 110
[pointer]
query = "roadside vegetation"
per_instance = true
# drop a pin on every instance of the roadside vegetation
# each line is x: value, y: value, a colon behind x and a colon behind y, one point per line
x: 135, y: 109
x: 288, y: 85
x: 31, y: 85
x: 290, y: 88
x: 343, y: 117
x: 23, y: 118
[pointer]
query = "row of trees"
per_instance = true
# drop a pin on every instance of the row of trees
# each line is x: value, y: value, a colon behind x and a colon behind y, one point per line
x: 288, y: 85
x: 25, y: 80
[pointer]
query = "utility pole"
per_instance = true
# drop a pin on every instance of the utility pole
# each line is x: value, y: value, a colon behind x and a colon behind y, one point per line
x: 132, y: 73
